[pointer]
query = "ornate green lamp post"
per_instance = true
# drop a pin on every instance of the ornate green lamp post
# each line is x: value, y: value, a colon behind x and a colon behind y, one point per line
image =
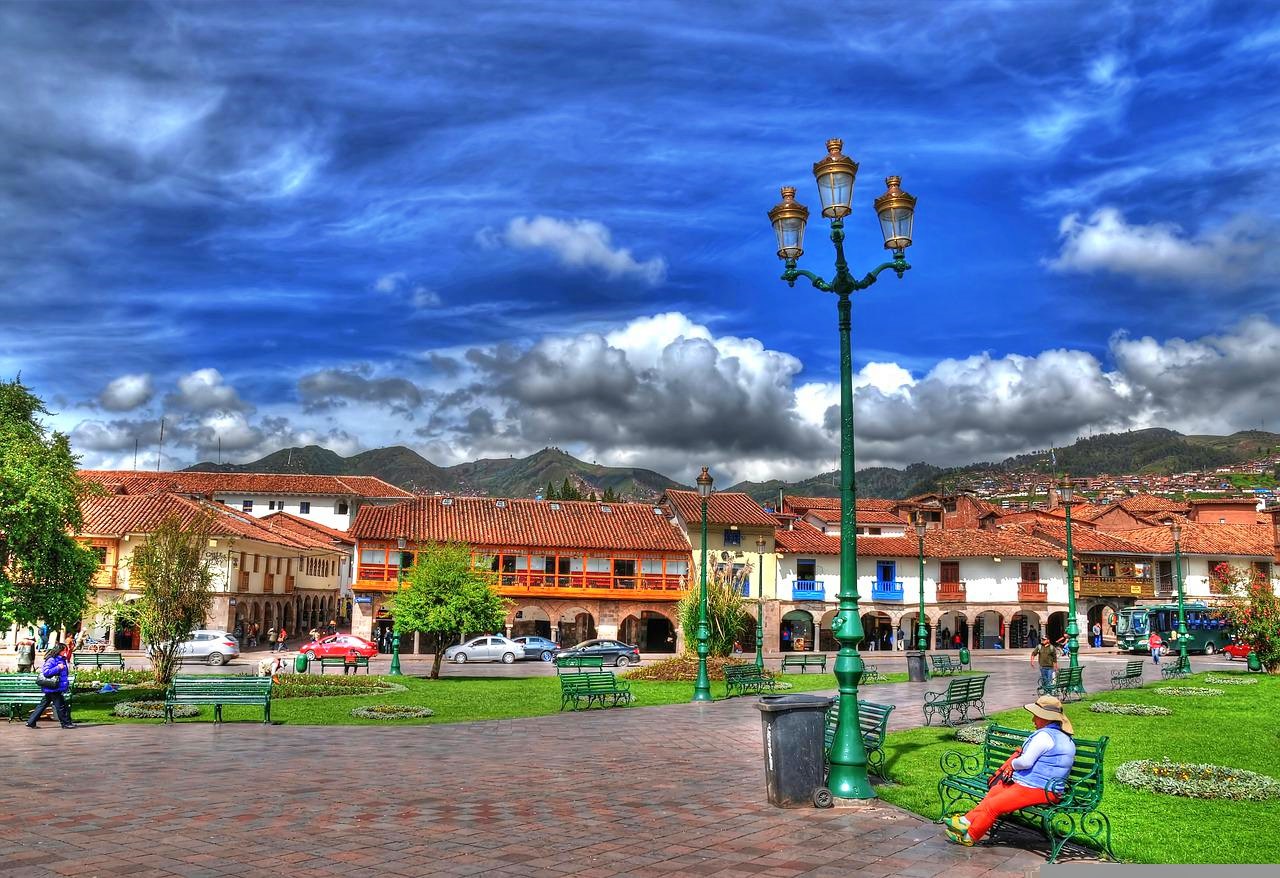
x: 760, y: 544
x: 395, y: 622
x: 1065, y: 492
x: 1176, y: 529
x: 895, y: 209
x: 917, y: 664
x: 702, y: 688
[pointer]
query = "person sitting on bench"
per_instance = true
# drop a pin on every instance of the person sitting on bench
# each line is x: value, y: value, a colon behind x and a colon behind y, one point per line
x: 350, y: 662
x: 1042, y: 763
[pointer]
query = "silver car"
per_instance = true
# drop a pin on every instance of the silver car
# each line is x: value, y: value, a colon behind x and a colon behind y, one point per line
x: 490, y: 648
x: 214, y: 647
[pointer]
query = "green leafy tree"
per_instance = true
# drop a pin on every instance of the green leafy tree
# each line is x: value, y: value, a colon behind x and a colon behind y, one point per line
x: 443, y: 596
x: 609, y: 496
x: 551, y: 493
x: 1252, y: 608
x: 592, y: 497
x: 726, y: 610
x: 174, y: 578
x: 44, y: 572
x: 569, y: 491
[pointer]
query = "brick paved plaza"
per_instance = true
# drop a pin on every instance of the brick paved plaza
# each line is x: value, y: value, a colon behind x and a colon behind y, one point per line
x: 675, y: 790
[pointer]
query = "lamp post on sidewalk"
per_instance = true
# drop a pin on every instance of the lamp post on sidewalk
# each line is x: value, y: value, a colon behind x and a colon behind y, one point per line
x: 760, y: 544
x: 702, y: 688
x: 1066, y: 492
x: 395, y: 622
x: 917, y: 664
x: 1176, y: 530
x: 895, y: 210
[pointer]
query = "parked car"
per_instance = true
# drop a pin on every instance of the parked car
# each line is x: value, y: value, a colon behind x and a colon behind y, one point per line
x: 1236, y: 649
x: 214, y: 647
x: 336, y: 645
x: 613, y: 652
x: 539, y: 648
x: 490, y: 648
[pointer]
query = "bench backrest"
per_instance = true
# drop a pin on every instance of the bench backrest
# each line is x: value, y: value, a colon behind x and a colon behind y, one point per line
x: 591, y: 681
x: 580, y: 661
x: 741, y: 672
x: 94, y: 658
x: 18, y: 683
x: 965, y: 688
x: 873, y: 718
x: 1133, y: 669
x: 1068, y: 676
x: 255, y: 686
x: 1084, y: 783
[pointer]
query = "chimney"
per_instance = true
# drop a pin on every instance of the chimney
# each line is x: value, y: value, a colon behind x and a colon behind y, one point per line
x: 1053, y: 497
x: 1275, y: 532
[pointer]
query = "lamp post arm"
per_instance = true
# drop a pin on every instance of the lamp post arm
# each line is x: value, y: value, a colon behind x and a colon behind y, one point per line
x: 792, y: 273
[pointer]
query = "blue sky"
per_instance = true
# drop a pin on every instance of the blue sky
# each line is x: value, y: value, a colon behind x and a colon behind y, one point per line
x: 480, y: 233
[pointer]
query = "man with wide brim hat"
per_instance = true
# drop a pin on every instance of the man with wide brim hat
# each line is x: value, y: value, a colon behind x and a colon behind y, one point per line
x: 1033, y: 775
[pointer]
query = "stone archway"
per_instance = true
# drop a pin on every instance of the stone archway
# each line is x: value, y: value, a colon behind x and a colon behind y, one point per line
x: 909, y: 625
x: 826, y: 637
x: 654, y: 632
x: 1024, y: 630
x: 575, y: 625
x: 530, y: 620
x: 795, y: 632
x: 1104, y: 614
x: 950, y: 624
x: 1056, y: 627
x: 989, y: 631
x: 877, y: 629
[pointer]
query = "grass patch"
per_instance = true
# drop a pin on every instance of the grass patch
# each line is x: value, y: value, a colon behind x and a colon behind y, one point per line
x: 1235, y: 729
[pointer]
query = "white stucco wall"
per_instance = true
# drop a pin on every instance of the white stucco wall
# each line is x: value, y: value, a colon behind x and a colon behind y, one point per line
x: 986, y: 581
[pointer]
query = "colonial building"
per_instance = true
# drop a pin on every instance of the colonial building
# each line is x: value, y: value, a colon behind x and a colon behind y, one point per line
x: 332, y: 501
x: 267, y: 574
x: 572, y: 570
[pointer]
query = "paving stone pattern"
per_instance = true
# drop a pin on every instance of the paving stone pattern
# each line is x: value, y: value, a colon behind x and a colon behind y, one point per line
x: 663, y: 791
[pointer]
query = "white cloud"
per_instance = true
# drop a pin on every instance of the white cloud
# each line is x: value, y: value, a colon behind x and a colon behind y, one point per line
x: 126, y: 393
x: 389, y: 283
x: 577, y: 243
x: 205, y: 390
x: 1105, y: 241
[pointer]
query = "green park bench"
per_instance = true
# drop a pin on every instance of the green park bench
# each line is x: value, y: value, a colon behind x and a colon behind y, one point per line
x: 97, y: 660
x: 961, y: 694
x: 747, y: 678
x: 595, y: 662
x: 804, y: 661
x: 593, y: 687
x: 255, y: 691
x: 873, y: 722
x: 943, y: 664
x: 1075, y: 815
x: 1180, y: 668
x: 340, y: 661
x: 22, y: 690
x: 1130, y: 677
x: 1068, y: 684
x: 871, y: 674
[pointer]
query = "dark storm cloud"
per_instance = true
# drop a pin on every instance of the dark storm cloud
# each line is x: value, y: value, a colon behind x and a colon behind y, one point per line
x: 330, y: 388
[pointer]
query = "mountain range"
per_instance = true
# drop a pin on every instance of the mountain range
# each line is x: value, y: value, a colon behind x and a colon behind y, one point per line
x: 1151, y: 451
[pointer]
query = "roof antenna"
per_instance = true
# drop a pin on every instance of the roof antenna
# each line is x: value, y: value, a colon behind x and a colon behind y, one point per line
x: 135, y: 453
x: 160, y: 448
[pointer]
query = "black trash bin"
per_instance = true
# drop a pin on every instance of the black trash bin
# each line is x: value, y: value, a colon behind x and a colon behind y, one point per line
x: 794, y: 769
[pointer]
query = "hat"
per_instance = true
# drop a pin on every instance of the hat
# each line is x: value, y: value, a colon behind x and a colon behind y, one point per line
x: 1050, y: 708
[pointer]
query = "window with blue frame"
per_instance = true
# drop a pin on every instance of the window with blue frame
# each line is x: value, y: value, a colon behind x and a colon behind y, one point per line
x: 733, y: 538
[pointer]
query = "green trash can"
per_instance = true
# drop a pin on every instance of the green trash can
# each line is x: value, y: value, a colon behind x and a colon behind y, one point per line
x: 1255, y: 663
x: 964, y: 655
x: 300, y: 663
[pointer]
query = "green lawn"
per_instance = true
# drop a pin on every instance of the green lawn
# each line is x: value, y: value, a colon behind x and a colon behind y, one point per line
x: 454, y: 699
x: 1237, y: 729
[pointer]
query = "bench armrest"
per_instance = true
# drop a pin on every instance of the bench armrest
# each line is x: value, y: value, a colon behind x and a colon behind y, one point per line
x: 934, y: 697
x: 956, y: 763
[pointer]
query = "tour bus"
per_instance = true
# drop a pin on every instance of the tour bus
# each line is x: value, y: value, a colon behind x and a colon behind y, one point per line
x: 1207, y: 631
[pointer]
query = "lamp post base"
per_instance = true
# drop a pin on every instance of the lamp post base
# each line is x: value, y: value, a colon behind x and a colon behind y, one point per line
x: 917, y: 667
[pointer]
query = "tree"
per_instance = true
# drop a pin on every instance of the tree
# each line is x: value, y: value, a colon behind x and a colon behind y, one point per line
x: 551, y: 492
x: 44, y: 572
x: 443, y: 595
x: 726, y: 611
x: 1252, y: 609
x: 568, y: 491
x: 592, y: 497
x: 610, y: 496
x: 174, y: 577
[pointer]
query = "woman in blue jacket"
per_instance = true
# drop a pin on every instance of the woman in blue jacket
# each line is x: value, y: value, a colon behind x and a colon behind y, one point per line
x: 55, y: 665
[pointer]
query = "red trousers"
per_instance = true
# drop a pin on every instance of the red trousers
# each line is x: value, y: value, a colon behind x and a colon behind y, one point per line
x: 1000, y: 800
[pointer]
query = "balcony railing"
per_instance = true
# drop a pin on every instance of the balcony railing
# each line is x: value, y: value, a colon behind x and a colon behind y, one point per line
x: 884, y: 590
x: 808, y: 590
x: 268, y: 583
x: 242, y: 580
x: 951, y: 592
x: 288, y: 585
x: 1115, y: 586
x: 1033, y: 592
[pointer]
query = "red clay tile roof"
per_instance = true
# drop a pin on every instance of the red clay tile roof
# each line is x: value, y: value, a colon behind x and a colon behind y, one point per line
x: 1140, y: 503
x: 723, y: 507
x: 1082, y: 511
x: 287, y: 521
x: 480, y: 521
x: 1206, y: 539
x: 832, y: 504
x: 1085, y: 539
x: 115, y: 515
x: 137, y: 482
x: 804, y: 538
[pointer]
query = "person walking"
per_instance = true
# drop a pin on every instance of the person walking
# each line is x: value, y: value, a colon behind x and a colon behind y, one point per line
x: 44, y: 635
x: 54, y: 681
x: 26, y: 654
x: 1156, y: 644
x: 1033, y: 775
x: 1097, y: 636
x: 1045, y: 657
x: 281, y: 638
x: 271, y: 639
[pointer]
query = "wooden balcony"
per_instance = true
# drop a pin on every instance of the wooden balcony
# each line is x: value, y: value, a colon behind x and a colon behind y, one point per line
x: 951, y: 593
x: 288, y: 585
x: 1033, y: 592
x: 268, y: 583
x: 242, y: 580
x: 1114, y: 586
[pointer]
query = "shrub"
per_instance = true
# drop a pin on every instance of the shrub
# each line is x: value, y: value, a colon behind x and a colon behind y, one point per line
x: 91, y: 678
x: 1187, y: 690
x: 973, y: 733
x: 391, y: 711
x: 1129, y: 709
x: 1231, y: 679
x: 307, y: 686
x: 683, y: 667
x: 1198, y: 781
x: 152, y: 709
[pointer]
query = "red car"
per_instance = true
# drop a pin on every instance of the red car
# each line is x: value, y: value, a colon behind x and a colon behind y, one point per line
x: 1236, y: 649
x: 336, y: 646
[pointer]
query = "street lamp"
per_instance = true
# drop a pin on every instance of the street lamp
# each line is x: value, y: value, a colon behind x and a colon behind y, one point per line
x: 702, y: 688
x: 1176, y: 530
x: 395, y: 671
x: 917, y: 666
x: 1065, y: 493
x: 895, y: 209
x: 760, y: 544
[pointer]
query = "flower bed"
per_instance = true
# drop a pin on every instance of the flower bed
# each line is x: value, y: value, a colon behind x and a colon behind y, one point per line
x: 973, y: 733
x: 1231, y: 679
x: 391, y: 711
x: 1129, y: 709
x: 88, y: 679
x: 684, y: 667
x: 1198, y: 781
x: 316, y: 686
x: 152, y: 710
x: 1187, y: 690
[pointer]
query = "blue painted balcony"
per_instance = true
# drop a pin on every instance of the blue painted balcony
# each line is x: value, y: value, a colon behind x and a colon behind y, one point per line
x: 807, y: 590
x: 743, y: 588
x: 883, y: 590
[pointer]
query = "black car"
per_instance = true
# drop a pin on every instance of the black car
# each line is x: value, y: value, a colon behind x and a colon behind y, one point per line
x: 614, y: 652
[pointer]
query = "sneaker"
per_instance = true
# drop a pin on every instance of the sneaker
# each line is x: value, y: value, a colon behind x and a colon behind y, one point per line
x: 71, y: 726
x: 960, y: 838
x: 958, y: 822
